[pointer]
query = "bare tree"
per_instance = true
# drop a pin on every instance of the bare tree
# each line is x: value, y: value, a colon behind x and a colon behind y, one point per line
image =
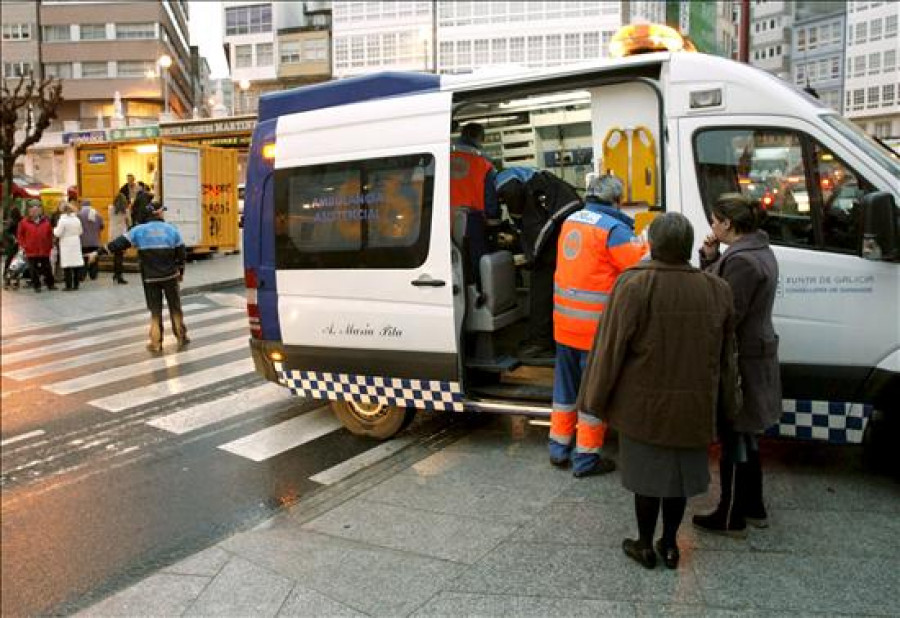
x: 38, y: 101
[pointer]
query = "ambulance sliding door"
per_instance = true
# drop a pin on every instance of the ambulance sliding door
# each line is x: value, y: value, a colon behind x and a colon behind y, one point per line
x: 363, y: 248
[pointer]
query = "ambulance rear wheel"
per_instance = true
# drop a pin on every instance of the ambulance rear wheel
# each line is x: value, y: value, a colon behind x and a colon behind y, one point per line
x: 372, y: 420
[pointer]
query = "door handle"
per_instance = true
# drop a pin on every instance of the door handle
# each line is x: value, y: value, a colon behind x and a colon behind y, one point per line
x: 427, y: 281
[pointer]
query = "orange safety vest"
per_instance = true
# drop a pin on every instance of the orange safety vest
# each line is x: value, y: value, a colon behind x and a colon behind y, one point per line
x: 594, y: 248
x: 468, y: 170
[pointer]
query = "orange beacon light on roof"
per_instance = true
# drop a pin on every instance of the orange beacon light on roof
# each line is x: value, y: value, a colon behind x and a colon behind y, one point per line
x: 647, y: 38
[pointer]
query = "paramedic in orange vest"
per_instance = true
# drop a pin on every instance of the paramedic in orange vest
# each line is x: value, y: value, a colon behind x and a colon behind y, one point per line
x: 595, y: 245
x: 472, y: 186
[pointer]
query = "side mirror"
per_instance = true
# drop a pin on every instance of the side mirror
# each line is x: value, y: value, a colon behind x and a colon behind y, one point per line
x: 880, y: 227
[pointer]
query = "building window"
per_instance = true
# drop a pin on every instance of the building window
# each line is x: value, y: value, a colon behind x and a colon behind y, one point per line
x: 800, y: 74
x: 446, y: 58
x: 890, y: 26
x: 535, y: 51
x: 778, y: 50
x: 482, y: 53
x: 373, y: 49
x: 862, y: 29
x: 248, y: 19
x: 859, y: 99
x: 136, y: 31
x: 357, y: 51
x: 17, y: 69
x: 498, y: 51
x: 872, y: 97
x: 94, y: 70
x: 289, y: 52
x: 801, y: 39
x: 389, y: 47
x: 859, y: 66
x: 55, y: 34
x: 60, y: 70
x: 517, y: 50
x: 887, y: 94
x: 264, y: 54
x: 93, y: 32
x: 341, y: 53
x: 882, y: 129
x: 890, y: 61
x: 573, y: 46
x: 554, y: 49
x: 591, y: 45
x: 464, y: 54
x: 134, y: 68
x: 835, y: 68
x: 813, y: 37
x: 874, y: 63
x: 16, y: 32
x: 875, y: 30
x: 243, y: 56
x: 836, y: 33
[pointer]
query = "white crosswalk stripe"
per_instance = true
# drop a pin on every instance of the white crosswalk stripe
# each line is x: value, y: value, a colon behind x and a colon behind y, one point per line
x: 140, y: 318
x: 284, y: 436
x: 222, y: 409
x: 75, y: 385
x: 90, y: 358
x: 174, y: 386
x: 365, y: 459
x: 104, y: 339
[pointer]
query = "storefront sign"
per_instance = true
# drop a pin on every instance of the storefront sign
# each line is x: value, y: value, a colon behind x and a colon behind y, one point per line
x: 97, y: 157
x: 209, y: 127
x: 80, y: 137
x: 118, y: 135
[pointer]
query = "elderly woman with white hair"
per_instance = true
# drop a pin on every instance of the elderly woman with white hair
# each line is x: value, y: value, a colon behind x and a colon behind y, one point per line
x: 596, y: 244
x: 662, y: 363
x: 68, y: 230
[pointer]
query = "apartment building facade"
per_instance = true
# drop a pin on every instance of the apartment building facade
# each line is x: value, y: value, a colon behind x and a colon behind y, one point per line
x: 275, y: 45
x: 770, y: 36
x: 872, y: 75
x: 817, y: 49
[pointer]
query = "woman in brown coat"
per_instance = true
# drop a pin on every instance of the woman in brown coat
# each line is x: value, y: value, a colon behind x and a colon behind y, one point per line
x: 658, y: 365
x: 750, y: 268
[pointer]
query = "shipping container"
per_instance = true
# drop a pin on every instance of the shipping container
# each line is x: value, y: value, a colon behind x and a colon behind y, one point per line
x: 197, y: 185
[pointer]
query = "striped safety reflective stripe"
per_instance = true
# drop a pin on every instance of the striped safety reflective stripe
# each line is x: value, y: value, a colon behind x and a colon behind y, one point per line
x: 578, y: 314
x: 586, y: 296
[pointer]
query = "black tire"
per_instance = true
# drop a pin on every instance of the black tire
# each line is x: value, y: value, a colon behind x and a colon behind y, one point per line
x: 378, y: 421
x: 879, y: 443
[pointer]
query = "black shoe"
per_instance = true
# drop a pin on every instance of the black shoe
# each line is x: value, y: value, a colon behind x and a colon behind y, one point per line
x: 644, y: 556
x: 717, y: 523
x: 669, y: 555
x: 120, y: 280
x: 603, y: 466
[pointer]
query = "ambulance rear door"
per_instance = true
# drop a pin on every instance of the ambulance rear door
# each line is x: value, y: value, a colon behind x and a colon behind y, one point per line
x: 363, y: 251
x: 181, y: 191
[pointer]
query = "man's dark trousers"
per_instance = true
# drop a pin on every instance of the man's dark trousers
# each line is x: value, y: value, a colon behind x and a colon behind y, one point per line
x: 40, y: 266
x: 154, y: 291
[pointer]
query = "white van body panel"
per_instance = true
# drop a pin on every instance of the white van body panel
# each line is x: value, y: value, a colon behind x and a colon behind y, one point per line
x: 891, y: 363
x: 365, y: 309
x: 180, y: 166
x: 827, y: 303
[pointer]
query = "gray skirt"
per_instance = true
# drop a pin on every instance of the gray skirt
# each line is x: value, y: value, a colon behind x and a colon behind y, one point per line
x: 662, y: 472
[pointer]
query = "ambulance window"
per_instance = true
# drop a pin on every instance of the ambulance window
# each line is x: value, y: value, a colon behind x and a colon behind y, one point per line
x: 841, y: 189
x: 372, y: 213
x: 767, y: 166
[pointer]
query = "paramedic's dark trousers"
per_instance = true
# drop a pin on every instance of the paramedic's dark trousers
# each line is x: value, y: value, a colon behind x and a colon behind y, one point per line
x: 540, y: 319
x: 154, y: 291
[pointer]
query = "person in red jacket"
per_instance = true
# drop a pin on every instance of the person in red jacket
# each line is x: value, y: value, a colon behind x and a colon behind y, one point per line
x: 595, y: 245
x: 35, y: 236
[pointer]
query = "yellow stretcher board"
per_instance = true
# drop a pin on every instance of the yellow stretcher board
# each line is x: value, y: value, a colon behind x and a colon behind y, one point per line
x: 615, y: 156
x: 642, y: 181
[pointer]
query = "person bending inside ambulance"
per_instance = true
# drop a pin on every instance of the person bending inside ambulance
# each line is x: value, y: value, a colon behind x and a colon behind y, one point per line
x: 595, y: 245
x: 472, y: 186
x: 162, y: 255
x: 538, y: 203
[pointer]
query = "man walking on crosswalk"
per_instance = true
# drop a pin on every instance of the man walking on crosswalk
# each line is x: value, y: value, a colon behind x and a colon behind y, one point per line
x: 162, y: 254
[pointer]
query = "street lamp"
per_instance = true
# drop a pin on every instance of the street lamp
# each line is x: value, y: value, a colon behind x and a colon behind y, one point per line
x: 164, y: 62
x: 245, y: 86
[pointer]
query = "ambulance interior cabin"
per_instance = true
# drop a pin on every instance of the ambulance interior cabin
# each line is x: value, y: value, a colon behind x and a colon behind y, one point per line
x: 572, y: 133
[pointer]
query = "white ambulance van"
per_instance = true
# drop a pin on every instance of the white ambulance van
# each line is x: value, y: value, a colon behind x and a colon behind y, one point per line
x: 358, y: 291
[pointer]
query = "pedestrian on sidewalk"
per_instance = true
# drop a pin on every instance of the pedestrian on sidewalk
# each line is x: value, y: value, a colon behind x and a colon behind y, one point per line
x: 10, y: 245
x: 92, y: 223
x: 119, y: 223
x: 661, y: 358
x: 162, y: 254
x: 68, y: 230
x: 35, y: 236
x: 751, y: 270
x: 596, y: 244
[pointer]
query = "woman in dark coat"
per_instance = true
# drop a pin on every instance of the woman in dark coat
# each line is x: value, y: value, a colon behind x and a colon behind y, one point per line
x: 10, y: 246
x: 750, y: 268
x: 662, y: 353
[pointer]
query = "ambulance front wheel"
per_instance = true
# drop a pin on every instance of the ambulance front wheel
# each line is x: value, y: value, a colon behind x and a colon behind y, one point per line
x: 880, y: 439
x: 373, y: 420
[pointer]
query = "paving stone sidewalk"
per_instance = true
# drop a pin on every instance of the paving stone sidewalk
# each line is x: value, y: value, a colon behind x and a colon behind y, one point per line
x: 23, y: 308
x: 483, y: 526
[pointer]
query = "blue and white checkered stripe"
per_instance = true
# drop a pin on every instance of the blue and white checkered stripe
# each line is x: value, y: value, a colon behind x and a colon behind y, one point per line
x: 837, y: 422
x: 400, y: 392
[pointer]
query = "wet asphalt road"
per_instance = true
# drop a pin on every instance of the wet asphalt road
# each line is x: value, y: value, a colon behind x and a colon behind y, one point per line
x: 94, y: 499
